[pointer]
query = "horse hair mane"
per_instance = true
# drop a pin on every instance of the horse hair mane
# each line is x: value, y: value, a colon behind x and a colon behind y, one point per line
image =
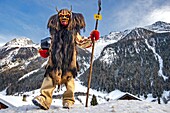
x: 76, y: 22
x: 62, y: 44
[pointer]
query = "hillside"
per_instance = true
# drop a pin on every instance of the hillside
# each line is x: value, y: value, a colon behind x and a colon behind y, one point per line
x: 138, y: 63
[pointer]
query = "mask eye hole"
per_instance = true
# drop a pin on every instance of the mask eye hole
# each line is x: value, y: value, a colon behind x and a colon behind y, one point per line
x: 64, y: 16
x: 67, y: 16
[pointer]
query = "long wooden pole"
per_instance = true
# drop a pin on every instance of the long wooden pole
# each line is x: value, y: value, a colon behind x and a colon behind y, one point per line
x: 92, y: 55
x: 90, y: 74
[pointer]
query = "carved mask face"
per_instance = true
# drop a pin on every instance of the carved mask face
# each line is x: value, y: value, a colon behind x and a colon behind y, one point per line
x: 64, y: 16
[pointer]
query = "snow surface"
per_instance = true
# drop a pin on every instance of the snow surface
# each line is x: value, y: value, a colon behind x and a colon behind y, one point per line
x: 114, y: 105
x: 22, y: 42
x: 99, y: 46
x: 113, y: 37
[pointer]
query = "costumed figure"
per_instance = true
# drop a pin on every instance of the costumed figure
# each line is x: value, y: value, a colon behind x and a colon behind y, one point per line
x: 62, y: 63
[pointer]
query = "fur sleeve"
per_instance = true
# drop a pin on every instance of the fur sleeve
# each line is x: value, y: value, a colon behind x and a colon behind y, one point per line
x: 83, y: 42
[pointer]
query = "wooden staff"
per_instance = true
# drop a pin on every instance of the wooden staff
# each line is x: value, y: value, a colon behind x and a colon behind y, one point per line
x: 97, y: 17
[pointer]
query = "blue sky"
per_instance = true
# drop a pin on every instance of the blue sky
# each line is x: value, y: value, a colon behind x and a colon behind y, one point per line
x: 29, y: 18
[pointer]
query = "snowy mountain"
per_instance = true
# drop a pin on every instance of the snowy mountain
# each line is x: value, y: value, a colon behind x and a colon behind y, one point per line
x: 19, y: 57
x: 22, y: 42
x: 18, y: 48
x: 134, y: 61
x: 137, y: 63
x: 112, y: 37
x: 159, y: 26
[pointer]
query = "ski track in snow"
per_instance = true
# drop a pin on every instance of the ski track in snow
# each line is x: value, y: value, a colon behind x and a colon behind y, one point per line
x: 157, y: 56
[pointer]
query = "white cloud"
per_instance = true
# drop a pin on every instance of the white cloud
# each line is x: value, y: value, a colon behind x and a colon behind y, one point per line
x: 140, y: 13
x: 162, y: 14
x: 132, y: 14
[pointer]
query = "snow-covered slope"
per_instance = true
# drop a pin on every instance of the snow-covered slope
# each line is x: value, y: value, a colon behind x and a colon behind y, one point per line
x: 112, y: 37
x: 20, y: 42
x: 15, y: 48
x: 159, y: 26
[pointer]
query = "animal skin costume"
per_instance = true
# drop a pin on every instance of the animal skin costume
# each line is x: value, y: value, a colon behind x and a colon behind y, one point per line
x: 62, y: 64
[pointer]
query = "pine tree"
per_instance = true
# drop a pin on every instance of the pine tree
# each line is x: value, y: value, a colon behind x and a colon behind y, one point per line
x: 94, y: 101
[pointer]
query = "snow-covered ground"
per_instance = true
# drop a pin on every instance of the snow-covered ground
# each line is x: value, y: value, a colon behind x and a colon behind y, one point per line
x: 116, y: 106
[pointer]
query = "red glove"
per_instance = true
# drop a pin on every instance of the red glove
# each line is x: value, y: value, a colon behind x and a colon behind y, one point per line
x: 94, y: 35
x: 43, y: 53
